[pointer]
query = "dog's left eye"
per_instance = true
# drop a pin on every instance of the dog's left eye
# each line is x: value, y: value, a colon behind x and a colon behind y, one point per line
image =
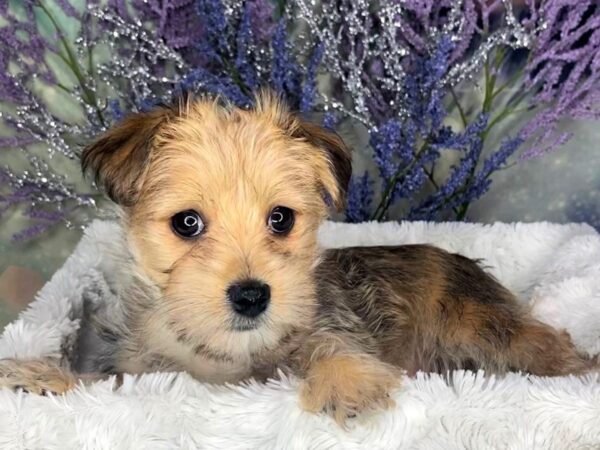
x: 281, y: 220
x: 187, y: 224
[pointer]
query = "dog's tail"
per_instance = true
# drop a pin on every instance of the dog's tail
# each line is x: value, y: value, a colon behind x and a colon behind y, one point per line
x: 542, y: 350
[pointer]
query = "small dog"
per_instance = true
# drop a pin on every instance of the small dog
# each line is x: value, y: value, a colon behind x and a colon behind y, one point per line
x: 221, y: 208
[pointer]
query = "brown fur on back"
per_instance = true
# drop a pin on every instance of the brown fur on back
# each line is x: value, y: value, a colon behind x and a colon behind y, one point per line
x: 421, y: 308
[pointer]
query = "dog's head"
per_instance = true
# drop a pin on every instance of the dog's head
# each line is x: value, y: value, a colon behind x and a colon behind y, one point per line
x: 222, y: 207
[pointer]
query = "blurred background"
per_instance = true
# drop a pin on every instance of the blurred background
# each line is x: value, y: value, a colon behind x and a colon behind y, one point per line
x: 562, y: 186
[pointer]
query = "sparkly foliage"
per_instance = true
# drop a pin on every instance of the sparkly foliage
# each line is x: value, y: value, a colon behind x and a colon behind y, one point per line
x: 403, y: 73
x: 563, y: 70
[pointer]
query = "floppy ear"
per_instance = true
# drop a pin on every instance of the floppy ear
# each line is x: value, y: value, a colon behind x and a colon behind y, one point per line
x: 118, y: 159
x: 336, y: 177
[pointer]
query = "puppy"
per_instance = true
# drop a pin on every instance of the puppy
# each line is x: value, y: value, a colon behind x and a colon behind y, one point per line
x: 221, y: 208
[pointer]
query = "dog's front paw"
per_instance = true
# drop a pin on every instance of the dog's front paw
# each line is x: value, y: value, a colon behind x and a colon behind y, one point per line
x: 346, y: 385
x: 35, y: 376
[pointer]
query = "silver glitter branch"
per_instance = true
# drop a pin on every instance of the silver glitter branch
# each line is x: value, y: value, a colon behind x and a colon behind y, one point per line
x: 351, y: 43
x: 45, y: 186
x: 35, y: 120
x: 119, y: 65
x: 351, y: 22
x: 139, y: 63
x: 117, y: 60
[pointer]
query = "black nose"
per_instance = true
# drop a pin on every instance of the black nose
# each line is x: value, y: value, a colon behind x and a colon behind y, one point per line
x: 249, y: 298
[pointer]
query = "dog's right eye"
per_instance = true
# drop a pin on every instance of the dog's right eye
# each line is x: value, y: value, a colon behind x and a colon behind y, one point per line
x: 281, y: 220
x: 187, y: 224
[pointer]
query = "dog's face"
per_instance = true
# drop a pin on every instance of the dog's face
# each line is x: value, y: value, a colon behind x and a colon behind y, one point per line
x: 222, y: 208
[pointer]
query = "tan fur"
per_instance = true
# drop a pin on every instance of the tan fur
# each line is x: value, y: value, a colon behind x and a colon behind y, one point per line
x: 219, y: 170
x: 36, y: 376
x: 346, y: 385
x: 346, y: 321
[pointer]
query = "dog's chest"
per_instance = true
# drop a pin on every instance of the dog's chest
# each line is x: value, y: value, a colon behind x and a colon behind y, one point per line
x: 216, y: 371
x: 207, y: 364
x: 165, y: 350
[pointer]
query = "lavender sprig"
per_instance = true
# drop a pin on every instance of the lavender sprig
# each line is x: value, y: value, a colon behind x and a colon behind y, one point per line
x: 394, y: 70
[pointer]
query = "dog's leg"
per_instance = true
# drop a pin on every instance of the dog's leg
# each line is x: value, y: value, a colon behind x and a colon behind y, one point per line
x: 343, y: 381
x: 41, y: 376
x: 502, y: 337
x: 36, y: 376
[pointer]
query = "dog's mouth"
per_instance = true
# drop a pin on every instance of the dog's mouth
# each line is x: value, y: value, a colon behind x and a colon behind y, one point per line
x: 242, y: 324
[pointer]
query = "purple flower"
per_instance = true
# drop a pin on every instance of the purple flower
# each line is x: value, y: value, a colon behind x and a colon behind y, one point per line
x: 481, y: 182
x: 330, y: 120
x: 285, y: 73
x: 18, y: 39
x: 45, y: 215
x: 420, y: 17
x: 391, y: 69
x: 216, y: 34
x: 31, y: 232
x: 116, y: 112
x: 424, y: 92
x: 261, y: 14
x: 499, y: 158
x: 470, y: 142
x: 243, y: 61
x: 404, y: 150
x: 177, y: 22
x: 563, y: 71
x: 360, y: 195
x: 387, y: 147
x: 309, y: 89
x: 207, y: 81
x: 45, y: 202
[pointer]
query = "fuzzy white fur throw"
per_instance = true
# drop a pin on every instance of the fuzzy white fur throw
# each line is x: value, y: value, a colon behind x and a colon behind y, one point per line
x: 554, y: 267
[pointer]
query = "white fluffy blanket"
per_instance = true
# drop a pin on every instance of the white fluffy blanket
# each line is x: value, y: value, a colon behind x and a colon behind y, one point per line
x: 555, y: 267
